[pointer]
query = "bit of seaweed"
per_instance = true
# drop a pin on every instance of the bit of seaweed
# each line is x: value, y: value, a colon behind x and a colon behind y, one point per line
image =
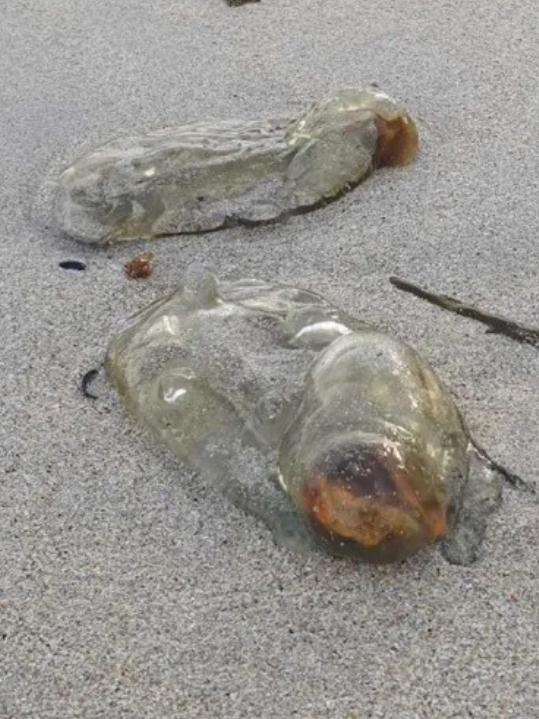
x: 72, y: 265
x: 495, y: 324
x: 87, y: 379
x: 237, y: 3
x: 513, y: 479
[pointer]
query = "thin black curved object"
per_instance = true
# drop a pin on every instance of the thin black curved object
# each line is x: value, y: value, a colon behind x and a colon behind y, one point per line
x: 495, y: 324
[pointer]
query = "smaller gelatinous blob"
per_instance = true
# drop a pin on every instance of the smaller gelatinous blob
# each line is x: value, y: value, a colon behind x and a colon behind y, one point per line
x: 247, y: 380
x: 205, y: 176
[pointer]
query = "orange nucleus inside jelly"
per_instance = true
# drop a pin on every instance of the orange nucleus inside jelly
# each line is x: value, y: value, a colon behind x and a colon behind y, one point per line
x: 360, y: 502
x: 397, y: 141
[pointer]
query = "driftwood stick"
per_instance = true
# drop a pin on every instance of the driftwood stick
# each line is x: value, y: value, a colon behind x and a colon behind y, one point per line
x: 495, y: 324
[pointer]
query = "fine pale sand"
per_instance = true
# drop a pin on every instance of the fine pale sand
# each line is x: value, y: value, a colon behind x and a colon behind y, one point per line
x: 127, y: 587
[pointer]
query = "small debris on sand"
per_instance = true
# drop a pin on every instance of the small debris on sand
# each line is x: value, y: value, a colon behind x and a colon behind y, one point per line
x: 87, y: 379
x: 140, y: 266
x: 236, y: 3
x: 72, y: 265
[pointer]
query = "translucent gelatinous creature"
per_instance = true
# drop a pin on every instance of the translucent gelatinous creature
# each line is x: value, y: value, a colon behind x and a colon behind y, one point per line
x: 246, y: 380
x: 204, y: 176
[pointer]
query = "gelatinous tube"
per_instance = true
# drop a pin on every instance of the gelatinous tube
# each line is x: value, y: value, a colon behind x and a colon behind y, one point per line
x: 244, y: 380
x: 377, y: 453
x: 205, y: 176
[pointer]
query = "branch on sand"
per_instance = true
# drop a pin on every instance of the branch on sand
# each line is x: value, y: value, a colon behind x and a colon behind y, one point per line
x: 495, y: 324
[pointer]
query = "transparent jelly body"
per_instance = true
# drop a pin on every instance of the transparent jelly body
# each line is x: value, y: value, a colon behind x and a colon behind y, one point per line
x: 247, y: 381
x: 206, y: 175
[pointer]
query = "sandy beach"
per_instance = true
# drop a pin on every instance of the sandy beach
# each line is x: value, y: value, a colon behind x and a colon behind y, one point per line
x: 128, y: 588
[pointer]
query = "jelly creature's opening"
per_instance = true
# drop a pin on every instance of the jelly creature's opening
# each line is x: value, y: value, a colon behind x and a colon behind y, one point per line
x: 359, y: 504
x: 397, y: 141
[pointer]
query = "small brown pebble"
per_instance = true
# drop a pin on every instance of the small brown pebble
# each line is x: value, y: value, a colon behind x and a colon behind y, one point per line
x: 513, y: 597
x: 140, y: 266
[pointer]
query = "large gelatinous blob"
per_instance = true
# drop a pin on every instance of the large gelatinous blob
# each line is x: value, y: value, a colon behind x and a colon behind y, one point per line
x: 246, y: 381
x: 204, y: 176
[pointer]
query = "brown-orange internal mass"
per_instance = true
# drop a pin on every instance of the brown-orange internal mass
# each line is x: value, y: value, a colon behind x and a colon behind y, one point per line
x: 371, y: 520
x: 397, y: 141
